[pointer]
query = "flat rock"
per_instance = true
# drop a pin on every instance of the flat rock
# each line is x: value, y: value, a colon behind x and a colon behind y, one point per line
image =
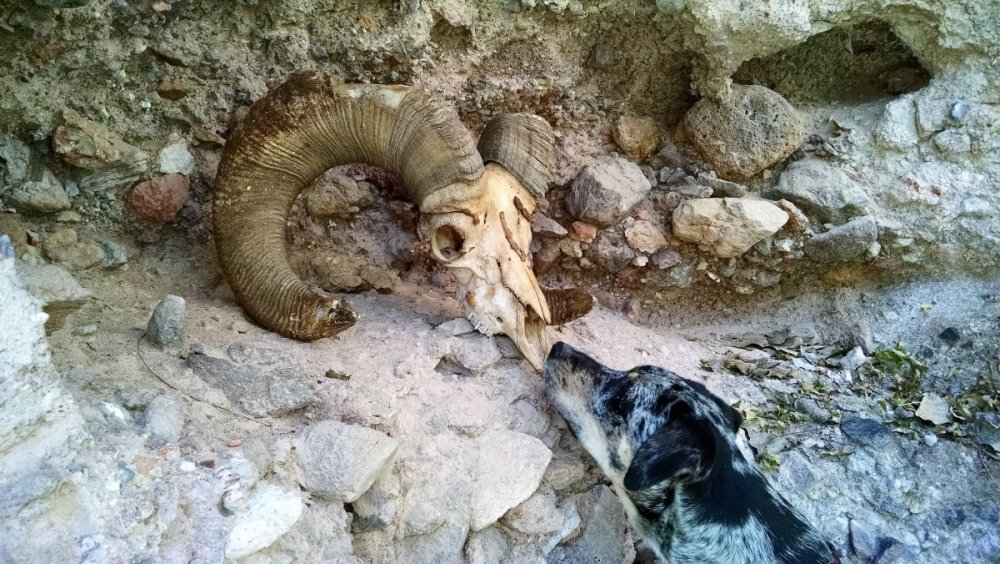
x: 752, y: 130
x: 843, y: 242
x: 166, y: 327
x: 637, y: 137
x: 455, y: 327
x: 727, y: 227
x: 821, y: 190
x: 721, y: 188
x: 255, y: 391
x: 645, y: 237
x: 340, y: 462
x: 509, y: 467
x: 606, y: 191
x: 56, y: 288
x: 87, y: 144
x: 473, y: 354
x: 537, y: 515
x: 867, y: 432
x: 545, y: 226
x: 934, y: 409
x: 271, y: 513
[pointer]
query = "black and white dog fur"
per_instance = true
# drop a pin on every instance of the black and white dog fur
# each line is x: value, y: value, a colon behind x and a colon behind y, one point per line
x: 669, y: 447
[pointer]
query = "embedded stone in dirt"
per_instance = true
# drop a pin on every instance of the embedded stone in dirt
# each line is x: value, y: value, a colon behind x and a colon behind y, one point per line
x: 604, y: 534
x: 637, y: 137
x: 607, y: 191
x: 254, y: 390
x: 727, y: 227
x: 752, y: 130
x: 610, y: 251
x: 843, y: 242
x: 500, y: 486
x: 164, y: 419
x: 45, y: 195
x: 538, y: 515
x: 56, y: 288
x: 64, y: 247
x: 175, y: 157
x: 87, y: 144
x: 158, y: 200
x: 272, y: 512
x: 822, y: 190
x: 545, y: 226
x: 471, y: 355
x: 167, y: 324
x: 341, y: 462
x: 645, y: 237
x: 338, y: 195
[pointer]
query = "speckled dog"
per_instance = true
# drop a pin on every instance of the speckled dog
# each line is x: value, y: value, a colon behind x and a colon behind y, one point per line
x: 669, y: 447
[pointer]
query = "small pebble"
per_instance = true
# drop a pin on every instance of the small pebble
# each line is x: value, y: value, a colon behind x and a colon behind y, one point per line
x: 234, y: 443
x: 930, y: 440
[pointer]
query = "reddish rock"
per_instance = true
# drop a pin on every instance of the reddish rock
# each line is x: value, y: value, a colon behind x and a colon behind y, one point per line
x: 158, y: 200
x: 583, y: 232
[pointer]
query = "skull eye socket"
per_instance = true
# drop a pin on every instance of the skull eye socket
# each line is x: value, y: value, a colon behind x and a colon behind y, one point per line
x: 446, y: 243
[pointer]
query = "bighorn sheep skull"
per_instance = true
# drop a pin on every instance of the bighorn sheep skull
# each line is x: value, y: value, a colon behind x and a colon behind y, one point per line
x: 476, y: 217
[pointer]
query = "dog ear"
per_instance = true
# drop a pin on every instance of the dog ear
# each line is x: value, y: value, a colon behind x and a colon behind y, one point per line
x: 683, y: 449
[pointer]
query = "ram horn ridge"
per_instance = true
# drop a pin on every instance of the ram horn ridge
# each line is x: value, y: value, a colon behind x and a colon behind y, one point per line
x: 295, y: 133
x: 524, y: 144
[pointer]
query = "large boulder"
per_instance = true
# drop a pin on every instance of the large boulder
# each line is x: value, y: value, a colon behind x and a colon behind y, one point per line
x: 750, y: 131
x: 727, y: 227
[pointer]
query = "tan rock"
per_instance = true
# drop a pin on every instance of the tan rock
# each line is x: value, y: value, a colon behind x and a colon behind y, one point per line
x: 727, y: 227
x: 87, y: 144
x: 645, y: 237
x: 637, y: 137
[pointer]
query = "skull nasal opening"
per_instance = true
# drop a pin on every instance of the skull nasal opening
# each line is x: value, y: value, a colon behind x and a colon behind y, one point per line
x: 446, y: 243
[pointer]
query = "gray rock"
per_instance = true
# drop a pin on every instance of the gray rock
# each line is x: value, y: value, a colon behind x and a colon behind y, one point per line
x: 337, y: 195
x: 666, y: 258
x: 16, y: 157
x: 843, y: 242
x: 752, y: 130
x: 570, y: 526
x: 727, y: 227
x: 45, y: 195
x: 175, y: 157
x: 376, y: 508
x: 166, y: 327
x: 537, y: 515
x: 164, y: 419
x: 605, y: 534
x: 868, y: 432
x: 256, y: 391
x: 564, y: 471
x: 821, y: 190
x: 471, y: 355
x: 721, y: 188
x: 605, y: 192
x: 812, y: 409
x: 455, y: 327
x: 603, y: 56
x: 487, y: 546
x: 270, y: 514
x: 547, y: 227
x: 340, y: 462
x: 610, y: 251
x: 56, y: 288
x: 498, y: 487
x: 854, y: 359
x: 115, y: 254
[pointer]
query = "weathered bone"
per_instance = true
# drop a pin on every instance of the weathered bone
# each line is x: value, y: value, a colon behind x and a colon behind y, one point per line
x: 476, y: 218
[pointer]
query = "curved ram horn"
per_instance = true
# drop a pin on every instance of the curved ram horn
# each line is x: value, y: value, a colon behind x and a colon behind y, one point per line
x: 524, y: 144
x: 295, y: 133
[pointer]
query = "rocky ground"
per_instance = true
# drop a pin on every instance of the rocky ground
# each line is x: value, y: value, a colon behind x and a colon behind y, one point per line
x: 796, y: 205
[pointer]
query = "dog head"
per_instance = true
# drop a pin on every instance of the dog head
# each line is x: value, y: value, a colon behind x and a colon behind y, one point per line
x: 646, y: 427
x: 671, y: 449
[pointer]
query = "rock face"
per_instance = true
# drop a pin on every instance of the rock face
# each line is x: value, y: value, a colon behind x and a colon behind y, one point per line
x: 340, y: 462
x: 500, y: 486
x: 158, y: 200
x: 752, y: 130
x: 638, y: 137
x: 843, y: 242
x: 727, y: 227
x: 607, y: 191
x: 820, y: 189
